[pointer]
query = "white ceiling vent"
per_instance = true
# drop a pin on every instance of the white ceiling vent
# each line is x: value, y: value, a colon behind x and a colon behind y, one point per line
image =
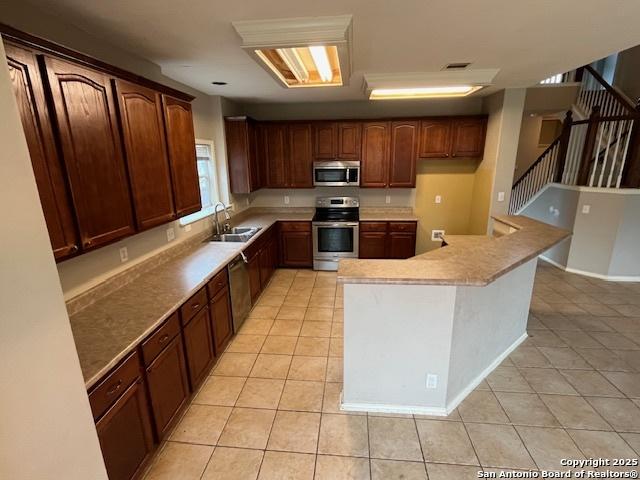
x: 456, y: 66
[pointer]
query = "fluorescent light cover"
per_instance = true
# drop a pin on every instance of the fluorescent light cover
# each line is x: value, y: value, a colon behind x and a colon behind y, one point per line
x: 321, y: 59
x: 423, y: 92
x: 293, y: 61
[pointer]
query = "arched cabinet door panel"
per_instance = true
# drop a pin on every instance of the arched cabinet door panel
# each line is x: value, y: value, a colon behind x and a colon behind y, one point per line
x: 85, y: 113
x: 46, y: 163
x: 181, y: 145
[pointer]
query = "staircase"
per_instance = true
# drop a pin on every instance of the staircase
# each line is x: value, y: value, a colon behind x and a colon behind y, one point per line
x: 599, y: 148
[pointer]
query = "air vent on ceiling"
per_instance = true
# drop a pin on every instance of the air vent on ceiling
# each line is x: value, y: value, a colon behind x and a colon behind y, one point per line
x: 457, y: 66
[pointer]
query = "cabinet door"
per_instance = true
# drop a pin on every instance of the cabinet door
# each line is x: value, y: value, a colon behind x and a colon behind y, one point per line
x: 401, y: 245
x: 325, y: 140
x: 349, y: 141
x: 296, y: 247
x: 255, y: 286
x: 198, y: 342
x: 375, y: 155
x: 242, y: 154
x: 146, y: 153
x: 435, y: 138
x: 168, y: 385
x: 372, y: 245
x: 468, y: 137
x: 300, y: 156
x: 275, y: 140
x: 47, y: 167
x: 125, y: 434
x: 181, y: 144
x: 91, y: 145
x: 222, y: 320
x: 403, y: 156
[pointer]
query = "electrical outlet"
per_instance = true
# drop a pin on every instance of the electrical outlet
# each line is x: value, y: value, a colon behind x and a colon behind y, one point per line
x: 438, y: 199
x: 187, y: 228
x: 124, y: 254
x: 286, y: 199
x: 388, y: 199
x: 586, y: 209
x: 437, y: 235
x: 501, y: 196
x: 432, y: 380
x: 171, y: 234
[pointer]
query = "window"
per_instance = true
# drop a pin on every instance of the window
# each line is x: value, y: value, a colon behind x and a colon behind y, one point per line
x: 209, y: 195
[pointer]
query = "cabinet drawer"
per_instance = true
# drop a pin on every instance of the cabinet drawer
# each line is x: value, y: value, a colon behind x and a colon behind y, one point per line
x: 409, y: 227
x: 217, y: 283
x: 295, y: 226
x: 116, y: 383
x: 193, y: 305
x: 153, y: 345
x: 373, y: 226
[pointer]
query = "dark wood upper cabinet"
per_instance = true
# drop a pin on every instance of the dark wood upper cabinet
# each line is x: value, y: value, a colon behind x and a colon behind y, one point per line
x: 198, y: 342
x: 242, y: 153
x: 403, y: 154
x: 468, y: 137
x: 325, y: 140
x: 146, y: 153
x: 181, y: 145
x: 274, y: 138
x: 85, y: 111
x: 349, y: 141
x: 47, y: 167
x: 435, y: 138
x: 300, y: 174
x: 374, y: 170
x: 221, y: 319
x: 125, y: 434
x: 168, y: 384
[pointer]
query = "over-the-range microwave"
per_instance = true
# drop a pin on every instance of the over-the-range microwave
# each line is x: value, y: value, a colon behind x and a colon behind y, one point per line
x: 336, y: 173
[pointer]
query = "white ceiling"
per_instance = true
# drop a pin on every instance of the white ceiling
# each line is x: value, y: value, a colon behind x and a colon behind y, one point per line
x: 193, y: 40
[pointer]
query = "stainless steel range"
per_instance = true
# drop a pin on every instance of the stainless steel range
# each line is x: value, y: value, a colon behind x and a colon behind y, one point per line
x: 335, y: 231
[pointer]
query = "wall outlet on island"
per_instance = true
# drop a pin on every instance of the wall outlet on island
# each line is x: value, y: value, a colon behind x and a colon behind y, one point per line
x: 437, y: 235
x: 124, y: 254
x: 432, y: 380
x: 171, y: 234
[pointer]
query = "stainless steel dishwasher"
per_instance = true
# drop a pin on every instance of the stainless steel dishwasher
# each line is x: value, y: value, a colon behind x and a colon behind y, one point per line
x: 240, y: 292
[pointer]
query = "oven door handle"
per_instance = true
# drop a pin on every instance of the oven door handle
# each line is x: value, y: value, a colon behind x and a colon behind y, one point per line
x: 333, y: 224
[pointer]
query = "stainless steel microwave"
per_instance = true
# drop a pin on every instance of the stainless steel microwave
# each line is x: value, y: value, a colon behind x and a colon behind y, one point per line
x: 336, y: 173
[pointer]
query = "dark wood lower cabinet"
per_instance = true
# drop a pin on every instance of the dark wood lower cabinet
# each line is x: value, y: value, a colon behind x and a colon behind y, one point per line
x: 221, y: 319
x: 387, y: 240
x: 125, y: 434
x: 168, y: 385
x: 198, y: 343
x: 296, y: 245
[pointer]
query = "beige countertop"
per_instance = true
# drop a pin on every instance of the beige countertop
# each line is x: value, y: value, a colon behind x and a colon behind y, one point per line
x: 381, y: 214
x: 466, y: 260
x: 107, y: 330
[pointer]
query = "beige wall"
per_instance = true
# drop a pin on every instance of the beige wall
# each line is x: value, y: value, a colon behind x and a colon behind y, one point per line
x: 528, y: 148
x: 45, y: 419
x: 627, y: 73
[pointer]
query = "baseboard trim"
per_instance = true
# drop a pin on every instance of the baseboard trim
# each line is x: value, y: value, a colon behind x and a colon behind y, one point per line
x: 457, y: 400
x: 433, y: 411
x: 609, y: 278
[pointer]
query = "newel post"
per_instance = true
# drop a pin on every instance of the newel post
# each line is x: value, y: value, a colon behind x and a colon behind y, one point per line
x: 589, y: 144
x: 563, y: 147
x: 631, y: 171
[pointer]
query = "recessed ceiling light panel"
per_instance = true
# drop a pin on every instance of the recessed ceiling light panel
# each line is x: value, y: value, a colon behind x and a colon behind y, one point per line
x: 301, y: 52
x: 443, y: 84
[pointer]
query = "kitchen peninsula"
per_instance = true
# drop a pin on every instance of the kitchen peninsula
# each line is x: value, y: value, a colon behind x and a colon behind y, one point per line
x: 420, y: 334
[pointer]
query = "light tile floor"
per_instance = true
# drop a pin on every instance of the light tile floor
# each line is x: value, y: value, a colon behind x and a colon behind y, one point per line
x: 270, y: 408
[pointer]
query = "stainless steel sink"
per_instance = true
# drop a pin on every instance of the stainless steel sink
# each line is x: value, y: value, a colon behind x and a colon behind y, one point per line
x: 237, y: 234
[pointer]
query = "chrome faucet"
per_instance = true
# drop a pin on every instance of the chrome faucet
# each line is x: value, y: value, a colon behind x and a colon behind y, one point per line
x: 226, y: 226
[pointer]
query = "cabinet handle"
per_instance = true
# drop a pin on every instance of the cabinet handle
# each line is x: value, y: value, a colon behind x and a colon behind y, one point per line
x: 163, y: 338
x: 115, y: 388
x: 446, y: 154
x: 74, y: 248
x: 219, y: 284
x: 453, y: 154
x: 195, y: 305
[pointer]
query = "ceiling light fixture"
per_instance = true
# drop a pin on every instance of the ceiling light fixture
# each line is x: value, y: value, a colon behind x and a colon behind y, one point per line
x: 321, y: 59
x: 301, y: 52
x: 423, y: 92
